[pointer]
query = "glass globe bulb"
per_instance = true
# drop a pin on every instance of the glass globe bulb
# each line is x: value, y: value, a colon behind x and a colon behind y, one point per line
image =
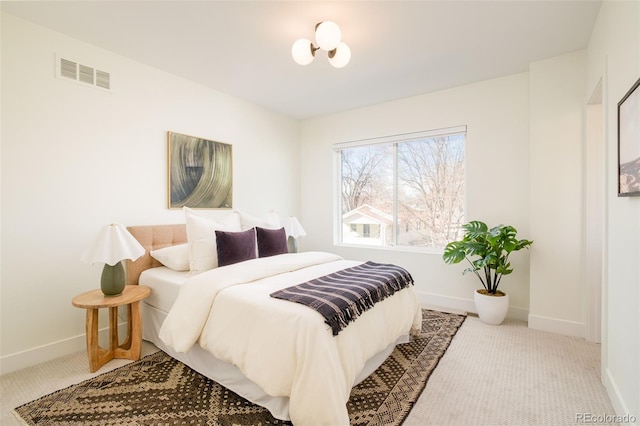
x: 302, y: 51
x: 341, y: 56
x: 328, y: 35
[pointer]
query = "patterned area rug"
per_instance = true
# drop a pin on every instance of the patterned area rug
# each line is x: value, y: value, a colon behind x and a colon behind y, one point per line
x: 158, y: 390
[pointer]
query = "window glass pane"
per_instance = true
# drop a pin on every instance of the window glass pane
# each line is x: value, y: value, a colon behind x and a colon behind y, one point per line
x: 408, y: 192
x: 367, y: 195
x: 430, y: 191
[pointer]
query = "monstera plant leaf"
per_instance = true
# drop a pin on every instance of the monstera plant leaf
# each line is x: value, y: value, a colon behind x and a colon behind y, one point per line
x: 487, y: 250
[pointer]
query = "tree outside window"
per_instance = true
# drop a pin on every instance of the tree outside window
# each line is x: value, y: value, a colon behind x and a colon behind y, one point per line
x: 407, y: 192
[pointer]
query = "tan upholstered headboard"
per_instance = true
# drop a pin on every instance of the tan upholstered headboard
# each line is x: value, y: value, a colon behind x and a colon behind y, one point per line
x: 153, y: 237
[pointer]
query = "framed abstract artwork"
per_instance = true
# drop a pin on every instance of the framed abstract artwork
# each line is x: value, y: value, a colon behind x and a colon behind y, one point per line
x: 200, y: 173
x: 629, y: 143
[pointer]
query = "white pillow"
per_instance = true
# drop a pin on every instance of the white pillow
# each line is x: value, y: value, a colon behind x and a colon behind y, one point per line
x: 247, y: 221
x: 201, y: 239
x: 173, y: 257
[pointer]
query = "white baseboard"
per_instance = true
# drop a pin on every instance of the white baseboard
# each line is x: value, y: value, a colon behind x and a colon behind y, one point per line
x: 619, y: 406
x: 457, y: 304
x: 554, y: 325
x: 520, y: 314
x: 31, y: 357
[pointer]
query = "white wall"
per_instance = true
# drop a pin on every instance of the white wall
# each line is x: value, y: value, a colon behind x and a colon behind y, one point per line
x: 614, y: 57
x: 75, y: 158
x: 496, y: 113
x: 557, y: 103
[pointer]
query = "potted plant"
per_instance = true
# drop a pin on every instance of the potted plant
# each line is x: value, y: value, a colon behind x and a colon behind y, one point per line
x: 487, y: 251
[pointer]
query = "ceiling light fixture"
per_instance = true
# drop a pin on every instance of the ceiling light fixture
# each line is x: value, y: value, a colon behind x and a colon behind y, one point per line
x: 328, y: 37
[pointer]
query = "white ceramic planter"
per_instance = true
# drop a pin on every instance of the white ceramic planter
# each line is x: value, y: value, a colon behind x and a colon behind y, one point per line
x: 491, y: 309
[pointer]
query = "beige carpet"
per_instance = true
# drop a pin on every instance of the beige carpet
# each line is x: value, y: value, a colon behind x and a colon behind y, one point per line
x: 490, y: 375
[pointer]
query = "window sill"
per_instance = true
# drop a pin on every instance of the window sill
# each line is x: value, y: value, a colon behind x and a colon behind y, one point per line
x: 408, y: 249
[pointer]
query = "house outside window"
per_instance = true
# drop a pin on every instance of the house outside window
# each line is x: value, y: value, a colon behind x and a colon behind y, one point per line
x: 404, y: 191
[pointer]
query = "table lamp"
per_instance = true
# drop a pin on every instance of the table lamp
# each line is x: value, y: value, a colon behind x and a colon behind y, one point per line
x: 294, y: 230
x: 114, y: 244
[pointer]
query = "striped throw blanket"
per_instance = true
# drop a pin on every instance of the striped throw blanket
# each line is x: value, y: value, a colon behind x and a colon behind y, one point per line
x: 342, y: 296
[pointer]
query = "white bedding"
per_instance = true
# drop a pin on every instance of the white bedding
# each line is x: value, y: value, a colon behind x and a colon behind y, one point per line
x: 165, y: 285
x: 286, y: 348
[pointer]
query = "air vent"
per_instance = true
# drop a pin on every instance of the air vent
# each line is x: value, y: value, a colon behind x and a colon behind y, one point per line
x: 84, y: 74
x: 68, y: 69
x: 103, y: 79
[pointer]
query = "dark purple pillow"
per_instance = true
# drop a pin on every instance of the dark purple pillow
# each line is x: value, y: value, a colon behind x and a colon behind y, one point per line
x: 271, y: 242
x: 234, y: 247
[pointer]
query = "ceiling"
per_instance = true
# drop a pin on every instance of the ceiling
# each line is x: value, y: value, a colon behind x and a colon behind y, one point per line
x: 399, y: 48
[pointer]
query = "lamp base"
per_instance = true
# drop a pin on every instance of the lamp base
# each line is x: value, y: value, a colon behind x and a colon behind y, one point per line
x: 292, y: 245
x: 113, y: 280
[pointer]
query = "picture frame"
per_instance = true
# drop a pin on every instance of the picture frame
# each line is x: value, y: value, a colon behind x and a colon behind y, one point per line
x: 629, y: 143
x: 200, y: 173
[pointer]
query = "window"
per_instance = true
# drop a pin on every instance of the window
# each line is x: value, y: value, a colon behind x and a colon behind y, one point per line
x: 402, y: 191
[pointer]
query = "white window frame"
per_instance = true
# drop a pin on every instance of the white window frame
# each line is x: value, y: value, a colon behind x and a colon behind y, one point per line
x: 393, y: 140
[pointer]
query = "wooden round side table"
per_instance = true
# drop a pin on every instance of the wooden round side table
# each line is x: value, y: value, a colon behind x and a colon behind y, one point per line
x: 92, y: 301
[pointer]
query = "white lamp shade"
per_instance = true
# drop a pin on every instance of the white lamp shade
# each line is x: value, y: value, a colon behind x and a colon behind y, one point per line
x: 328, y: 35
x: 302, y: 51
x: 341, y: 57
x: 294, y: 229
x: 114, y: 243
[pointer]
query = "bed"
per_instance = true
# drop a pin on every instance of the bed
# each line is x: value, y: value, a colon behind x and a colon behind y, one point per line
x: 274, y: 353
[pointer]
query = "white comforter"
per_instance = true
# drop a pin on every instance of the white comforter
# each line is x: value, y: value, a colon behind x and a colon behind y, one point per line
x: 284, y: 347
